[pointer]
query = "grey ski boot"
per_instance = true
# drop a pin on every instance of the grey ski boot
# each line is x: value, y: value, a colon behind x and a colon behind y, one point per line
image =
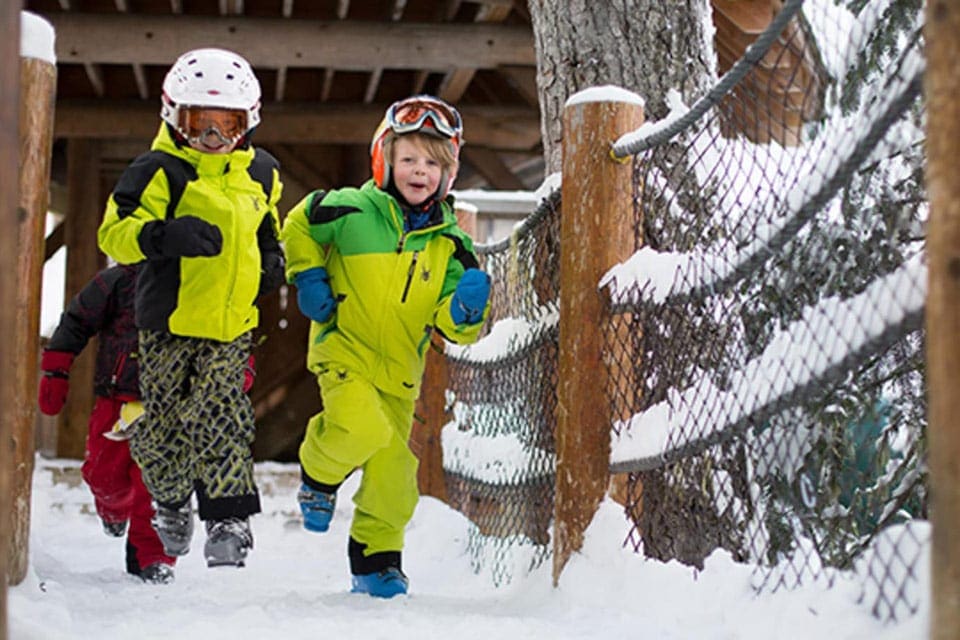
x: 228, y: 542
x: 175, y: 528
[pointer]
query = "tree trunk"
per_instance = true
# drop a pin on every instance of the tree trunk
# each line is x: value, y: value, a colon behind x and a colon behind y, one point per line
x: 644, y: 46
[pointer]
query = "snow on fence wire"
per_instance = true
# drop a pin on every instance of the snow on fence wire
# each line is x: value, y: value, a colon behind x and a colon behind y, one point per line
x: 765, y: 387
x: 774, y: 317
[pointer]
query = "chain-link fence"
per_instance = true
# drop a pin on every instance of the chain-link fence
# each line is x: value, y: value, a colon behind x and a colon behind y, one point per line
x: 503, y: 392
x: 764, y: 343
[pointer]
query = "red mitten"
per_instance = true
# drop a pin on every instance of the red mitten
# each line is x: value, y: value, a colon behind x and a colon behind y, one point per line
x: 249, y: 373
x: 55, y: 382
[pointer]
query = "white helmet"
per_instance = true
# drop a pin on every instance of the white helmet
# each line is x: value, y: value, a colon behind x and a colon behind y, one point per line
x: 210, y: 78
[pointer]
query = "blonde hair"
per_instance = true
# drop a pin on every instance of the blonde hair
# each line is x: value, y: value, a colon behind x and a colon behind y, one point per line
x: 440, y: 149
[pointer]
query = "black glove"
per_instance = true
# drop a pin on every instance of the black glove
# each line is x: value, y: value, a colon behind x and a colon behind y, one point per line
x: 271, y: 273
x: 185, y: 237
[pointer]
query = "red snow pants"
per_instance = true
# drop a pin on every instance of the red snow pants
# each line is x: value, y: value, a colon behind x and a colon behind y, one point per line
x: 118, y: 490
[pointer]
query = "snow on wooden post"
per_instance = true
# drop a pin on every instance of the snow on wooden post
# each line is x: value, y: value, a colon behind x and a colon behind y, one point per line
x: 38, y: 84
x: 9, y: 145
x: 431, y: 405
x: 942, y: 86
x: 596, y: 232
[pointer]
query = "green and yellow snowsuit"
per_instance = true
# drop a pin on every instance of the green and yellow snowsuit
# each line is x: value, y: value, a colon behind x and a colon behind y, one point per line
x: 393, y: 290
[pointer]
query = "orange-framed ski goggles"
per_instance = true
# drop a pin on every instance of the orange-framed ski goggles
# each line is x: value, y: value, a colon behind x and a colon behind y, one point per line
x: 424, y: 112
x: 228, y: 124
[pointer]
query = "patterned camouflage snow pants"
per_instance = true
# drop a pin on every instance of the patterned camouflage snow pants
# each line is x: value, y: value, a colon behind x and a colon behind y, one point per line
x: 198, y: 424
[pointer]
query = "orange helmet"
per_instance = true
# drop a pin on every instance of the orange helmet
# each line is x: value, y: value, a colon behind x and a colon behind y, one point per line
x: 424, y: 114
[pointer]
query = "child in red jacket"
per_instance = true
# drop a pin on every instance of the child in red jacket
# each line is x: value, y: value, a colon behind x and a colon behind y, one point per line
x: 104, y: 308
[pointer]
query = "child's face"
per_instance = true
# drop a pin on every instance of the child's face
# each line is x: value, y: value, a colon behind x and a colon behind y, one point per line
x: 415, y: 173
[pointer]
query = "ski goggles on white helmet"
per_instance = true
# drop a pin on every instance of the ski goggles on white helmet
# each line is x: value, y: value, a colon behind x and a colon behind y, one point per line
x: 229, y: 125
x: 423, y: 113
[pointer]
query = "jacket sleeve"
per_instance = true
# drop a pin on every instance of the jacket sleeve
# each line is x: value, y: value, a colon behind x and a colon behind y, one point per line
x: 142, y: 195
x: 268, y: 240
x: 301, y: 248
x: 463, y: 258
x: 86, y: 313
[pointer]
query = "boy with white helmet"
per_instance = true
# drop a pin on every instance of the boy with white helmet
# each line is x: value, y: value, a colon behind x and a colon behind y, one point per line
x: 198, y: 211
x: 378, y: 269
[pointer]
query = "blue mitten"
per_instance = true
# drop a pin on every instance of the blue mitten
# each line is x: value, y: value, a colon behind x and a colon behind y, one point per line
x: 314, y: 294
x: 470, y: 297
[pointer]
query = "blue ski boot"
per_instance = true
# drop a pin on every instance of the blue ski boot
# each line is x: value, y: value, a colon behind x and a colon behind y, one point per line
x: 317, y: 508
x: 386, y: 583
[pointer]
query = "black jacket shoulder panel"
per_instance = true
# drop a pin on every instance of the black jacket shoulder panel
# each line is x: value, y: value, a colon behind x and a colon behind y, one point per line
x: 319, y: 213
x: 460, y: 253
x: 261, y: 170
x: 138, y: 174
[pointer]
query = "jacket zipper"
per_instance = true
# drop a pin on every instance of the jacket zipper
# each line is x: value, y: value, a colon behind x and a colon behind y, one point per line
x: 115, y: 376
x: 410, y: 271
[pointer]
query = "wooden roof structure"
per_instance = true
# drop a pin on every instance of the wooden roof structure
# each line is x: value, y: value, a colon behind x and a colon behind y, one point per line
x: 328, y: 69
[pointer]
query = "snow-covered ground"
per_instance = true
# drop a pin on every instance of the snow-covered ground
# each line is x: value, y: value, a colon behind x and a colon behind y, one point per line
x: 296, y: 585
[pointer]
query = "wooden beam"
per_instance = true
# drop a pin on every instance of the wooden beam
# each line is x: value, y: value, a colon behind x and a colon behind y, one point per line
x: 524, y: 80
x: 292, y: 165
x: 281, y: 87
x: 455, y: 82
x: 95, y: 75
x: 373, y: 83
x: 327, y: 85
x: 503, y: 128
x: 53, y: 242
x: 488, y: 164
x: 279, y: 42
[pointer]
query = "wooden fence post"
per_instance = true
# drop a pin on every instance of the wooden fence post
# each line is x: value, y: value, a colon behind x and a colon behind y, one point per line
x: 596, y: 232
x: 38, y: 84
x: 942, y: 88
x: 85, y: 203
x: 9, y: 154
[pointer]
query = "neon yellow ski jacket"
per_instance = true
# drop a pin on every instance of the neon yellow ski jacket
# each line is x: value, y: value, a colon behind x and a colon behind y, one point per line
x: 393, y: 287
x: 203, y: 297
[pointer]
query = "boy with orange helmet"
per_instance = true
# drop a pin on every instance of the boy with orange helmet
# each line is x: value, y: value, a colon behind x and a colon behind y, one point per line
x: 378, y: 269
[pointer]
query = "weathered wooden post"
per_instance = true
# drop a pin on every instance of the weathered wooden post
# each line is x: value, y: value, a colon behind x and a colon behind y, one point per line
x: 596, y: 232
x: 9, y: 150
x: 38, y: 84
x: 85, y: 203
x: 942, y: 88
x: 431, y: 405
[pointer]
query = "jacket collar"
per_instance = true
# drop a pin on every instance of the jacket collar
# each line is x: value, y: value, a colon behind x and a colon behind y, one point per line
x: 211, y: 164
